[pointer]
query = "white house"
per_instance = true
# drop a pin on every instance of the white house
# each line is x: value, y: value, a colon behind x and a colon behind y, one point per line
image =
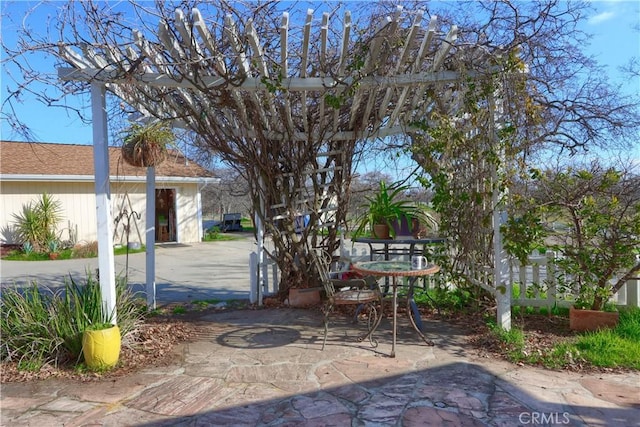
x: 66, y: 172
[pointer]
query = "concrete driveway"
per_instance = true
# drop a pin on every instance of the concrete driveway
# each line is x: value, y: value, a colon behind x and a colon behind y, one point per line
x: 184, y: 273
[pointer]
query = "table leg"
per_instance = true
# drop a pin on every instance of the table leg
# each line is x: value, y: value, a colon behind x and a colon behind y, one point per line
x: 414, y: 313
x: 395, y: 315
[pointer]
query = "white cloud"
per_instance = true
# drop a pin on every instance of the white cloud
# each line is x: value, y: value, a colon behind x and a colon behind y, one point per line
x: 601, y: 17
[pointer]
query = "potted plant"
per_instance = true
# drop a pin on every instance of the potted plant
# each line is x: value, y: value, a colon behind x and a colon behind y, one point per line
x: 101, y: 346
x: 146, y: 145
x: 597, y: 236
x: 53, y: 249
x: 386, y: 208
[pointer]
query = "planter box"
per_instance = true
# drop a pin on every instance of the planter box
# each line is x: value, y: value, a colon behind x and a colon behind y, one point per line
x: 591, y: 320
x: 305, y: 297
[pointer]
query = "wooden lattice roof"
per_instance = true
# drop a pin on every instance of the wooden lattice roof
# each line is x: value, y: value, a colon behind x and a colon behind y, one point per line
x: 338, y: 89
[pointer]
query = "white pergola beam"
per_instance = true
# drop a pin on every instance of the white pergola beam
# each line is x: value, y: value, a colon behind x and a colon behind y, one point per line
x: 304, y: 62
x: 408, y: 47
x: 251, y: 84
x: 342, y: 61
x: 324, y: 35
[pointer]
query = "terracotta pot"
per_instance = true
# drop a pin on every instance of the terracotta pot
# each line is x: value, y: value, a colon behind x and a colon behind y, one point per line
x: 381, y: 231
x: 101, y: 348
x: 53, y: 255
x: 303, y: 297
x: 591, y: 320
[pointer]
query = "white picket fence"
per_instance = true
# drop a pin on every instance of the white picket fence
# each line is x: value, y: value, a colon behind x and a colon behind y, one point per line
x: 532, y: 285
x: 537, y: 285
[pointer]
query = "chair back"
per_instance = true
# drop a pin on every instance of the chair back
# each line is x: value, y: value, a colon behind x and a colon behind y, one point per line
x: 322, y: 261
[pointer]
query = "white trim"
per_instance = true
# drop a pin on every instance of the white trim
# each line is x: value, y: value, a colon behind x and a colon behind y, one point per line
x: 150, y: 238
x: 91, y: 178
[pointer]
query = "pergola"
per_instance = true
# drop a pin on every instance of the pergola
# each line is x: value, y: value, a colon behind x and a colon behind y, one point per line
x: 332, y: 91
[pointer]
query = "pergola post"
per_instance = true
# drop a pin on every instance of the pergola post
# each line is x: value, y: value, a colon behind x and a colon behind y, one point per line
x: 106, y: 259
x: 502, y: 287
x: 150, y: 238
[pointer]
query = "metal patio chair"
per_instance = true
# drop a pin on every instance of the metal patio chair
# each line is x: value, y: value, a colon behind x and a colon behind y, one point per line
x: 360, y: 292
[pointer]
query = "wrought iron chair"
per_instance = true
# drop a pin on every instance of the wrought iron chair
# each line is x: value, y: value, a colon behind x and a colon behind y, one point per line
x: 358, y: 292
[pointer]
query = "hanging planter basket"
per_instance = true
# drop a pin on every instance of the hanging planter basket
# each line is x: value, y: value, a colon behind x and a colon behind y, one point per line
x: 146, y: 145
x: 144, y: 154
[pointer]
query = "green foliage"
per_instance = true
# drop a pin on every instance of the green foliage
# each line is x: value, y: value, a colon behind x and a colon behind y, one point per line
x: 40, y: 326
x: 387, y: 206
x: 146, y: 144
x: 99, y: 326
x: 53, y: 246
x: 27, y: 333
x: 37, y: 223
x: 444, y: 299
x: 79, y: 307
x: 179, y: 310
x: 27, y: 247
x: 629, y: 324
x: 513, y: 340
x: 522, y: 235
x: 214, y: 235
x: 612, y: 348
x: 600, y: 208
x: 159, y: 133
x: 87, y: 250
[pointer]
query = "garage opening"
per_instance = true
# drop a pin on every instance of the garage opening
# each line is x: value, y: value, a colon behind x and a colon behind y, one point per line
x: 166, y: 215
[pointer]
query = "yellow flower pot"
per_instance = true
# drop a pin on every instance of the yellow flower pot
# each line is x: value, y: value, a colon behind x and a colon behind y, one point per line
x: 101, y: 348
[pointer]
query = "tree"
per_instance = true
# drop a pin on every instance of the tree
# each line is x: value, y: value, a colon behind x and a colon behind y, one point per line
x: 591, y: 216
x: 231, y: 194
x: 186, y: 67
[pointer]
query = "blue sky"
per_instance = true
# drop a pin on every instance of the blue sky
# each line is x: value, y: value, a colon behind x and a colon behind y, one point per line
x: 614, y: 43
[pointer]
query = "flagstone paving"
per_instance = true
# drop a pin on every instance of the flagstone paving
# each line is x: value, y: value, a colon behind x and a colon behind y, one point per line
x: 266, y: 368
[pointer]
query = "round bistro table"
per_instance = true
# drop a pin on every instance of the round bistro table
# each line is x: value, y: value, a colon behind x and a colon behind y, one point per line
x: 395, y: 269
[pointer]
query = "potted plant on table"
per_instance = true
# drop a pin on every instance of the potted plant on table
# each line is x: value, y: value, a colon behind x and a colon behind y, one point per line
x: 145, y: 145
x: 387, y: 208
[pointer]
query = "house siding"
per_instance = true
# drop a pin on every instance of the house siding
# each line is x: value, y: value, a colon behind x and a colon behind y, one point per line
x: 78, y: 203
x: 77, y: 199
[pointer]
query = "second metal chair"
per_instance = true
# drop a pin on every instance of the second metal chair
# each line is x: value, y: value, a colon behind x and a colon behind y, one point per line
x: 348, y: 292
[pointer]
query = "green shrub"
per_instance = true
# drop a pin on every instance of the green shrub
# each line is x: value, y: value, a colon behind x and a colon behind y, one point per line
x: 37, y: 223
x: 40, y: 326
x: 27, y: 334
